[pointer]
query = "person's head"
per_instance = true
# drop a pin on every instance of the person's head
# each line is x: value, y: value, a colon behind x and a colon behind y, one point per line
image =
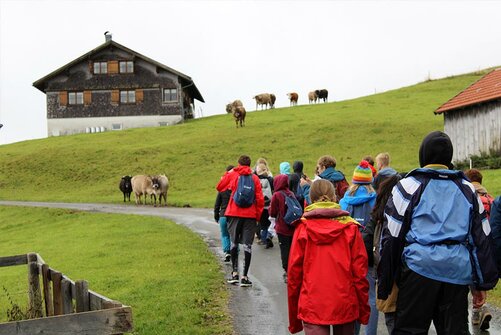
x: 244, y: 160
x: 474, y: 175
x: 229, y: 167
x: 262, y: 160
x: 322, y: 191
x: 369, y: 160
x: 285, y: 168
x: 262, y: 169
x: 383, y: 193
x: 436, y: 148
x: 362, y: 174
x: 325, y: 162
x: 297, y: 166
x: 382, y: 160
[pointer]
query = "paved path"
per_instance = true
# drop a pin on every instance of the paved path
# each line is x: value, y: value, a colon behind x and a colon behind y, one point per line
x: 261, y: 309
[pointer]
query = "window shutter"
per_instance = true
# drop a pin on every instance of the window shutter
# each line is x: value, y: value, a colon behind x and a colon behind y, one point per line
x: 113, y: 67
x: 63, y: 98
x: 87, y: 97
x: 139, y: 95
x: 91, y: 67
x: 115, y: 97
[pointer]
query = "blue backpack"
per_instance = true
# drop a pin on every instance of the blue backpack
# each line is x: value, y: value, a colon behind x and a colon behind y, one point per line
x: 244, y: 195
x: 361, y: 213
x: 293, y: 210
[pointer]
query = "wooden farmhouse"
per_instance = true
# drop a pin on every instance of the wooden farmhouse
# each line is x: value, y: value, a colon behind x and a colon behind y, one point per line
x: 112, y: 88
x: 472, y: 119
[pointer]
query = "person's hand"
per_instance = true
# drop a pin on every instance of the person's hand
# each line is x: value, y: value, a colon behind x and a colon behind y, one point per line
x: 479, y: 298
x: 304, y: 181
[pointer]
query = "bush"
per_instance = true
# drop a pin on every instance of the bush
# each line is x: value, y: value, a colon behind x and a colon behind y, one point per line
x: 483, y: 162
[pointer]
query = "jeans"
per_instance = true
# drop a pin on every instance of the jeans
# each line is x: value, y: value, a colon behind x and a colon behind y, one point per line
x: 225, y: 236
x: 371, y: 328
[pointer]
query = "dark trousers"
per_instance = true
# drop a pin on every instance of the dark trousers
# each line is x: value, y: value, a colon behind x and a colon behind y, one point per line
x: 422, y: 300
x: 285, y: 247
x: 264, y: 224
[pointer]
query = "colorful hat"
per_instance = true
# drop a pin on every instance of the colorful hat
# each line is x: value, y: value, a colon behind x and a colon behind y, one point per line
x: 362, y: 174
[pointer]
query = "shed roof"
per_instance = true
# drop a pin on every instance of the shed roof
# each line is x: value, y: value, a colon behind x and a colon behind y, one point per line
x: 485, y: 89
x: 186, y: 81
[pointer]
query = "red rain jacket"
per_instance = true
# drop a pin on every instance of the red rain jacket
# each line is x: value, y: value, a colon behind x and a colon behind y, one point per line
x: 327, y: 282
x: 230, y: 181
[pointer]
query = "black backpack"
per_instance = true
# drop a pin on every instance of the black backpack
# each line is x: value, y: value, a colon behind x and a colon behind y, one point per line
x: 293, y: 210
x: 361, y: 213
x: 244, y: 195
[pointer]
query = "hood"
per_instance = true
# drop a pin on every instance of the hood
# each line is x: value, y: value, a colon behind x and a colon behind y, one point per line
x: 243, y: 170
x: 436, y: 148
x: 332, y: 174
x: 387, y: 171
x: 297, y: 166
x: 330, y: 222
x: 285, y: 168
x: 281, y: 183
x: 361, y: 196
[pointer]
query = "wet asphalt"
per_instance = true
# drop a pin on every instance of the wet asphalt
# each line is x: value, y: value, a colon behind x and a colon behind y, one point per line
x: 260, y: 309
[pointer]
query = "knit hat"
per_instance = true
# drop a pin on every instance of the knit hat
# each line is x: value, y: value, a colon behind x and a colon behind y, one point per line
x: 285, y: 168
x: 362, y: 174
x: 436, y: 148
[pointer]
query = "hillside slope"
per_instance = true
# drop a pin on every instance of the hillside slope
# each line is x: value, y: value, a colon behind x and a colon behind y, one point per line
x: 88, y: 167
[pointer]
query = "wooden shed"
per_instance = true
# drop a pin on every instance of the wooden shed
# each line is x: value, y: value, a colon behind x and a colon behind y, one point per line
x: 472, y: 118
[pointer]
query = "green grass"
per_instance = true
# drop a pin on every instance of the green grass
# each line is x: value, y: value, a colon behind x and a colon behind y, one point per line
x: 87, y: 167
x: 162, y: 270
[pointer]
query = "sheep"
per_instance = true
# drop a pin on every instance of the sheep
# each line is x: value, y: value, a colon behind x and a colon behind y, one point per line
x: 145, y: 185
x: 312, y: 97
x: 164, y: 187
x: 293, y: 96
x: 263, y: 99
x: 125, y: 186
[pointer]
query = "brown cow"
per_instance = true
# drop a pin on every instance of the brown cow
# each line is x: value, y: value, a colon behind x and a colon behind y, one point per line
x: 312, y: 97
x: 273, y: 98
x: 293, y: 98
x: 230, y: 106
x: 239, y: 115
x: 263, y: 99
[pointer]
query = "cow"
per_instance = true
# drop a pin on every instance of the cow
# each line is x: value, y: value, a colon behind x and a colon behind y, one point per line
x: 230, y: 106
x: 273, y: 98
x: 322, y: 94
x: 263, y: 99
x: 126, y: 186
x: 164, y: 187
x: 239, y: 115
x: 145, y: 185
x: 293, y: 98
x: 312, y: 97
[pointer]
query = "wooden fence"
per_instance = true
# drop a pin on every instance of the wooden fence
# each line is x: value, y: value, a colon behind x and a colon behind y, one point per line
x: 64, y: 307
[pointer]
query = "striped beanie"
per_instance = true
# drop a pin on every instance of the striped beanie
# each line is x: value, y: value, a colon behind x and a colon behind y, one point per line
x: 362, y: 174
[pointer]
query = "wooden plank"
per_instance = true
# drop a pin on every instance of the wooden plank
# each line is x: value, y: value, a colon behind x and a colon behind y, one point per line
x: 13, y: 260
x: 104, y: 322
x: 67, y: 296
x: 47, y: 290
x: 82, y: 295
x: 57, y: 294
x: 35, y: 304
x: 95, y: 303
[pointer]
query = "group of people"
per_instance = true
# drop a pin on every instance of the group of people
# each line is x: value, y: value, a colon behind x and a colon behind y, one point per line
x: 390, y: 242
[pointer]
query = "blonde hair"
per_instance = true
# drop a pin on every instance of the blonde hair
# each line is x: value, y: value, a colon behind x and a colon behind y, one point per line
x: 354, y: 187
x: 322, y: 191
x: 382, y: 159
x: 262, y: 169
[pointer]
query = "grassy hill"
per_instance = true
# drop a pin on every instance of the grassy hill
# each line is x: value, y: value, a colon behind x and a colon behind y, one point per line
x: 88, y: 167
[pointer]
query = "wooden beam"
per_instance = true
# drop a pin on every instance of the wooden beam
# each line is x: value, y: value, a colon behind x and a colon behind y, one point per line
x: 82, y: 295
x: 13, y: 260
x: 104, y: 322
x: 57, y: 294
x: 67, y: 296
x: 35, y: 303
x: 47, y: 290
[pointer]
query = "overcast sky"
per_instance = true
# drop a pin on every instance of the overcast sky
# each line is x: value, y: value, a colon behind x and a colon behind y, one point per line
x: 237, y: 49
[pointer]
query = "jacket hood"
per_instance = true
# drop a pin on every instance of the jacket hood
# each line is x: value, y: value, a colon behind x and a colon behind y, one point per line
x: 325, y: 221
x: 297, y: 166
x: 281, y: 183
x: 479, y: 188
x: 332, y: 174
x: 285, y: 168
x: 242, y: 170
x: 387, y: 171
x: 436, y: 148
x: 361, y: 196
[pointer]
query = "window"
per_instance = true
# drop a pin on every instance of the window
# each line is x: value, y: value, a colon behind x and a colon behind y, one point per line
x: 116, y: 126
x: 126, y: 67
x: 127, y: 97
x: 75, y: 98
x: 170, y: 94
x: 100, y: 67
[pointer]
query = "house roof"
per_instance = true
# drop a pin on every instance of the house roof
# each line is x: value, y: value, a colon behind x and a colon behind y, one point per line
x: 186, y: 81
x: 486, y: 89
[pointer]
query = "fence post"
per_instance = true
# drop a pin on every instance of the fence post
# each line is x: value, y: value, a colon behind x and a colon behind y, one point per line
x: 82, y: 295
x: 34, y: 293
x: 57, y: 295
x: 67, y: 299
x: 47, y: 290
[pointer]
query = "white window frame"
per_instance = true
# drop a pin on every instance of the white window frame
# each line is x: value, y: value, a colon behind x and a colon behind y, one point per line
x: 75, y: 98
x: 100, y: 67
x: 167, y: 94
x: 128, y: 96
x: 116, y: 126
x: 126, y: 66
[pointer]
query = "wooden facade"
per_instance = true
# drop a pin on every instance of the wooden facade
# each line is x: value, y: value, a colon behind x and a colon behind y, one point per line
x: 113, y: 87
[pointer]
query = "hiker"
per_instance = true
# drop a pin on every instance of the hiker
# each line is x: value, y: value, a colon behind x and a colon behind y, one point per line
x: 219, y: 209
x: 243, y: 211
x: 263, y: 161
x: 370, y: 160
x: 326, y: 169
x: 285, y: 168
x: 359, y: 200
x: 495, y: 222
x: 372, y: 237
x: 264, y: 221
x: 384, y: 169
x: 278, y: 207
x: 436, y: 244
x: 294, y: 181
x: 327, y: 284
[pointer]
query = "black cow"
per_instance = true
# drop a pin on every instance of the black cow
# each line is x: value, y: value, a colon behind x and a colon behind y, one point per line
x: 126, y: 186
x: 322, y: 94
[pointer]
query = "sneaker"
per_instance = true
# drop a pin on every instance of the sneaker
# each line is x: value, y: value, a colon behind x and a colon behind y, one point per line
x: 475, y: 316
x: 485, y: 318
x: 234, y: 279
x: 245, y: 282
x: 227, y: 257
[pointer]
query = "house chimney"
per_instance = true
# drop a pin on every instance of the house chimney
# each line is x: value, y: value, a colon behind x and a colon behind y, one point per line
x: 107, y: 36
